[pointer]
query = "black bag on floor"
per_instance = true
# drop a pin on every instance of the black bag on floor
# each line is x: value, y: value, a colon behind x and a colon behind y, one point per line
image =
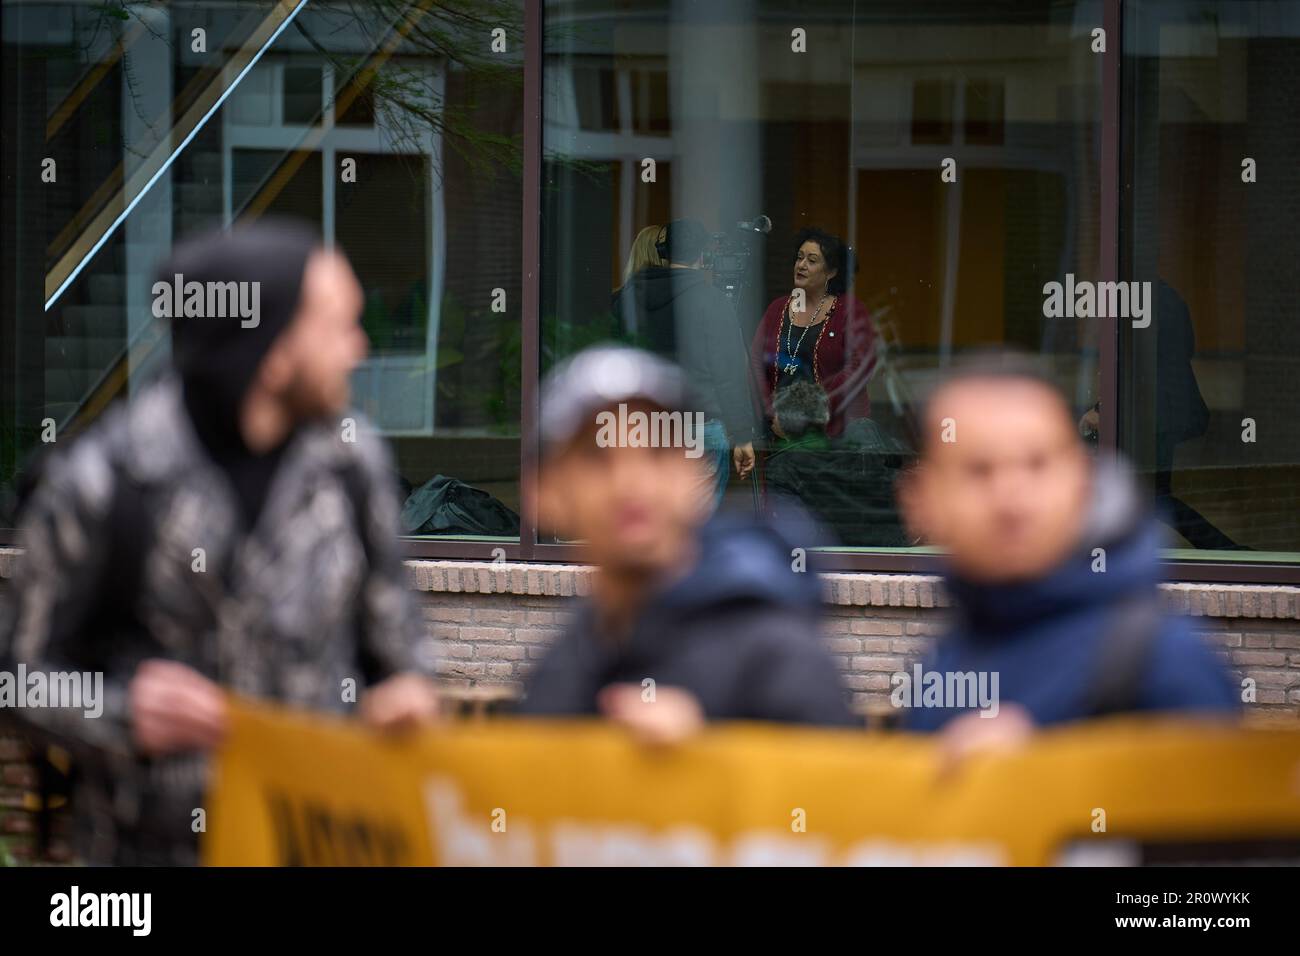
x: 445, y: 505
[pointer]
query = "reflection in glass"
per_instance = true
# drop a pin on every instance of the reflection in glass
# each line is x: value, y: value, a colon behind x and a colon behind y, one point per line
x: 676, y: 114
x: 393, y: 128
x: 1209, y: 390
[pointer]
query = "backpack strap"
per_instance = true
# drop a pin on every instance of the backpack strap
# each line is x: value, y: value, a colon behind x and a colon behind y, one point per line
x: 354, y: 484
x: 131, y: 528
x: 1131, y: 633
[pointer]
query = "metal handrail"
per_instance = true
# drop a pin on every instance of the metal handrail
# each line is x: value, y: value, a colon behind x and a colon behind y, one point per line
x: 118, y: 207
x: 149, y: 337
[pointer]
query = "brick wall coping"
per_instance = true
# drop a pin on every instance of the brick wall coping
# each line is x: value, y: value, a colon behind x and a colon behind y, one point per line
x: 862, y: 589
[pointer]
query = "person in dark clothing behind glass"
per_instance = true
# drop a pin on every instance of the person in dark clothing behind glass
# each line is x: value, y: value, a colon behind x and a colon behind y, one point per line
x: 680, y: 315
x: 1180, y: 416
x: 228, y: 529
x: 1053, y: 568
x: 688, y: 621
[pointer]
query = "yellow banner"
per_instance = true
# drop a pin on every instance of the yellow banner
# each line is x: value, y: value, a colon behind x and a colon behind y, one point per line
x: 298, y: 789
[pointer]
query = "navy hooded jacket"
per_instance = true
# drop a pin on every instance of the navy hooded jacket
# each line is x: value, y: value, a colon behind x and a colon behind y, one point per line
x: 1049, y: 639
x: 740, y: 631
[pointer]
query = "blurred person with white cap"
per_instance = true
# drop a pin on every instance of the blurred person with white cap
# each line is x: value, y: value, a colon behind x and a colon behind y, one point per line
x: 690, y: 619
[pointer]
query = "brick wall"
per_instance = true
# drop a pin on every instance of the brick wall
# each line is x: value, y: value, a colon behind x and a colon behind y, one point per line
x: 489, y: 623
x: 16, y: 821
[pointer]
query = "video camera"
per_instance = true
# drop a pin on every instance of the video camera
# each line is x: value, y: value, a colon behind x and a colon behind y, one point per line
x: 733, y: 253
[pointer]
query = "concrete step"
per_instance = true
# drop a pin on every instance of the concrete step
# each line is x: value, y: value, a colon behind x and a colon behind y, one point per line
x: 198, y: 196
x: 189, y: 222
x: 104, y: 288
x: 70, y: 385
x: 205, y: 166
x: 91, y: 321
x: 60, y: 411
x: 75, y: 351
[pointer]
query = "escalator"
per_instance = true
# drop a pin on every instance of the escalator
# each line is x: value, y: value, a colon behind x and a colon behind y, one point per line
x: 173, y: 179
x: 167, y: 181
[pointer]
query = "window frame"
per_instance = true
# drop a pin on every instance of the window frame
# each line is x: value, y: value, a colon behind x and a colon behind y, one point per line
x: 530, y: 548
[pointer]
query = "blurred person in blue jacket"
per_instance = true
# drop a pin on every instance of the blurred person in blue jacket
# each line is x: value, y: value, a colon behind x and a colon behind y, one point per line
x: 1052, y: 568
x: 689, y: 619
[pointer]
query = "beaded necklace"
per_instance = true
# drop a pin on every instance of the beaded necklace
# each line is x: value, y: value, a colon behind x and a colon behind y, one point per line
x: 790, y: 366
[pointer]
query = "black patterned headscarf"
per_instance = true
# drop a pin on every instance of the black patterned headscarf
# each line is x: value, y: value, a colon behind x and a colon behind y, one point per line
x: 217, y: 356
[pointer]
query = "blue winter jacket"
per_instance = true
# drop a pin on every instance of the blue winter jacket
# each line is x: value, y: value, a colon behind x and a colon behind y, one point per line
x: 1049, y: 640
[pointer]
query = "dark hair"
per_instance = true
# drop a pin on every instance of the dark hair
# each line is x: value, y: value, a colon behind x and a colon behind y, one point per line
x: 995, y: 365
x: 838, y: 256
x: 800, y: 408
x: 681, y: 241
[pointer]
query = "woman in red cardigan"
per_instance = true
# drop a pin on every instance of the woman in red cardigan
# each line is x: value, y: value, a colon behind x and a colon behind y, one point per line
x: 827, y: 338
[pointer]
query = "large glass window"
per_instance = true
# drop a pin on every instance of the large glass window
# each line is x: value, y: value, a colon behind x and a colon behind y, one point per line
x: 393, y: 127
x: 1210, y: 388
x: 946, y: 155
x: 813, y: 207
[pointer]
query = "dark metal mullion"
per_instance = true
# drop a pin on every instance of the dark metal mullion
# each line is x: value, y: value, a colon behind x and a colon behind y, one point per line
x: 1108, y: 263
x: 532, y: 277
